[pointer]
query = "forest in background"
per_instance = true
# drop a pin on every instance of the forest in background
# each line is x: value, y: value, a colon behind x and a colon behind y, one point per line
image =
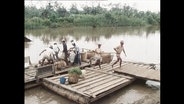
x: 53, y: 16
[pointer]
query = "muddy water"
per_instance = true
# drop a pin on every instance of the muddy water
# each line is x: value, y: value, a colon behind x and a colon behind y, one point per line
x: 142, y: 44
x: 134, y: 93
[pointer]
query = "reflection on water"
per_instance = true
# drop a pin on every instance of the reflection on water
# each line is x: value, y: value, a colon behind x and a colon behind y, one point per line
x: 90, y: 34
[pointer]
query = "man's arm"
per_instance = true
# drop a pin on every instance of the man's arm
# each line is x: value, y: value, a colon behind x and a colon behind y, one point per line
x: 58, y: 49
x: 115, y: 50
x: 42, y: 52
x: 124, y: 52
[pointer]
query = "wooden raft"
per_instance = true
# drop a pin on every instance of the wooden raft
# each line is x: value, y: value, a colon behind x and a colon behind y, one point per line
x: 32, y: 75
x: 96, y: 84
x: 139, y: 70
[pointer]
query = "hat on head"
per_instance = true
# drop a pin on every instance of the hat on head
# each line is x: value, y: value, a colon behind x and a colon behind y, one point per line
x: 63, y: 40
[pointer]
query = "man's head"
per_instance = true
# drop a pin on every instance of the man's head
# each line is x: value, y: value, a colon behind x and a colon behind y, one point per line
x: 99, y: 45
x: 121, y: 42
x: 55, y: 43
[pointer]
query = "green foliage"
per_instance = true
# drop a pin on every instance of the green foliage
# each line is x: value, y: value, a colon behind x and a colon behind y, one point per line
x: 75, y: 70
x: 56, y: 16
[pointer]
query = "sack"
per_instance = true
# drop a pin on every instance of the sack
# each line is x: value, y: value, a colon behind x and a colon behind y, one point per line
x: 73, y: 78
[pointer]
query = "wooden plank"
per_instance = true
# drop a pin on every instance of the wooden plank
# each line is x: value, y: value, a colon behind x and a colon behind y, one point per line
x: 102, y: 94
x: 67, y: 87
x: 96, y: 83
x: 92, y: 82
x: 121, y: 76
x: 125, y: 81
x: 94, y: 89
x: 88, y: 80
x: 140, y: 72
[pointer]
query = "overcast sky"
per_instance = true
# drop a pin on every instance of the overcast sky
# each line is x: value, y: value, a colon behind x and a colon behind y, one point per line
x: 141, y: 5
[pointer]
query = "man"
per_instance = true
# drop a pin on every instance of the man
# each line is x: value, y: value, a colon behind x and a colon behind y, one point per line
x: 118, y: 50
x: 65, y: 51
x: 77, y: 53
x: 56, y: 50
x: 97, y: 58
x: 47, y: 54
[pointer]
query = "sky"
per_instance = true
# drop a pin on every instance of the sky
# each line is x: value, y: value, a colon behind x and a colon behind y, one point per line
x: 141, y: 5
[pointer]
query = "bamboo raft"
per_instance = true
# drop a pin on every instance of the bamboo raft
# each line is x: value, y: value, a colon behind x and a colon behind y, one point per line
x: 96, y: 84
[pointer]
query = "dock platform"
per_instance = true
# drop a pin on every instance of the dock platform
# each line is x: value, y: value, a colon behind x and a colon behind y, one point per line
x: 140, y: 71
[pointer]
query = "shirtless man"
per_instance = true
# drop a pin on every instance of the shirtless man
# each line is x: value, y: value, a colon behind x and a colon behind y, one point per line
x: 118, y: 50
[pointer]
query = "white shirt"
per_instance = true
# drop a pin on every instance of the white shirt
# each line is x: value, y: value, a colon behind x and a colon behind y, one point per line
x: 55, y: 48
x: 48, y: 53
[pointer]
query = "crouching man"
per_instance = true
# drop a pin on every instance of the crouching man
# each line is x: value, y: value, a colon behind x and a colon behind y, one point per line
x: 97, y: 57
x: 47, y: 54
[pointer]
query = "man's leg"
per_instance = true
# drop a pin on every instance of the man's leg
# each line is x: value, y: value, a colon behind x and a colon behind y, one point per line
x: 66, y: 60
x: 120, y: 61
x: 57, y: 56
x: 79, y: 60
x: 99, y: 63
x: 115, y: 62
x: 90, y: 60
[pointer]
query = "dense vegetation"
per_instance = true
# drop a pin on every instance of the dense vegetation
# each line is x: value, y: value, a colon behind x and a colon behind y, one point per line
x: 56, y: 16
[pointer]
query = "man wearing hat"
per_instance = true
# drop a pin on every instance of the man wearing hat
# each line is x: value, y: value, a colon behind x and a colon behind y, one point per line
x: 118, y: 50
x: 65, y: 51
x: 97, y: 57
x: 56, y: 50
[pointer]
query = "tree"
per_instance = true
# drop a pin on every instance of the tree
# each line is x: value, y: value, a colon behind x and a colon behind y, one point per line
x: 73, y: 9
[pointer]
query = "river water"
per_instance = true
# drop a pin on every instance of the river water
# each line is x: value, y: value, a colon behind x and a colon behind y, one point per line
x: 142, y: 44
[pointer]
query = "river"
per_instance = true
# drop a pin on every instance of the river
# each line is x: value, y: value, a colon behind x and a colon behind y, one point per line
x: 142, y: 44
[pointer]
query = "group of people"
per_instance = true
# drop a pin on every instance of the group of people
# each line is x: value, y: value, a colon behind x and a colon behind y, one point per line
x: 51, y: 54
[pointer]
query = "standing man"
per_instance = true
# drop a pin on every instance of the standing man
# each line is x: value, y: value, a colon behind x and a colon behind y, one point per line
x: 56, y: 50
x: 118, y: 50
x: 65, y: 51
x: 97, y: 58
x: 77, y: 53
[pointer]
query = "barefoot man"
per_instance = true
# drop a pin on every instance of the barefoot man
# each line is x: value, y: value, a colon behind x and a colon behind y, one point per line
x: 118, y: 50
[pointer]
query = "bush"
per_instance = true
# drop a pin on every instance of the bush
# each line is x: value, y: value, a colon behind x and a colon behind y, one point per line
x: 75, y: 70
